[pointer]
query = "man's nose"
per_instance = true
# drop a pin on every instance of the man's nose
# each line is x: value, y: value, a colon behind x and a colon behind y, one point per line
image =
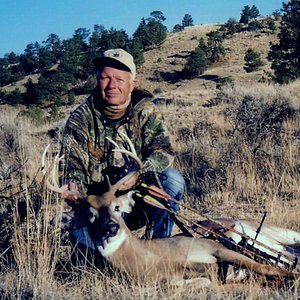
x: 112, y: 83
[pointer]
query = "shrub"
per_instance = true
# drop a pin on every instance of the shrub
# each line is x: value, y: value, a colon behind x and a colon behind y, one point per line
x: 71, y: 98
x: 226, y: 81
x: 252, y: 61
x: 34, y: 114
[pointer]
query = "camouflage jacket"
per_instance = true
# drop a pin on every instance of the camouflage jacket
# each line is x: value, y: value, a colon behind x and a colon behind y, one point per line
x: 88, y: 155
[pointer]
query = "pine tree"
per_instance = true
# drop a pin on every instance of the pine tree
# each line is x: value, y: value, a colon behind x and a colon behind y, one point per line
x: 245, y: 15
x: 187, y: 21
x: 136, y: 51
x: 252, y: 61
x: 197, y: 63
x: 31, y: 96
x: 215, y: 48
x: 230, y: 26
x: 249, y: 13
x: 271, y: 24
x: 151, y: 32
x: 285, y: 56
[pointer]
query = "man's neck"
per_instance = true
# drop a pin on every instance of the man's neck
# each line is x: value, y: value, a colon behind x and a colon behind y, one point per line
x: 112, y: 112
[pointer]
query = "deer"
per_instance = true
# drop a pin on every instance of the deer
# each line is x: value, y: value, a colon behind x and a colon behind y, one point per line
x: 172, y: 257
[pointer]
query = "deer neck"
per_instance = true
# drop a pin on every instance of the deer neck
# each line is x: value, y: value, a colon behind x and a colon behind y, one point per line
x: 134, y: 256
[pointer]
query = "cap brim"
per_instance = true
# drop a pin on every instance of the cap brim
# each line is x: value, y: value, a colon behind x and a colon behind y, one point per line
x: 110, y: 62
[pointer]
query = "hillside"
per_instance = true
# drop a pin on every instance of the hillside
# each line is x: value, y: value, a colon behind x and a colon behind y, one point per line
x: 171, y: 57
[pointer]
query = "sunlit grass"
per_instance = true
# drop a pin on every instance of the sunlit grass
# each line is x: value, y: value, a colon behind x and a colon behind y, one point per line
x: 29, y: 261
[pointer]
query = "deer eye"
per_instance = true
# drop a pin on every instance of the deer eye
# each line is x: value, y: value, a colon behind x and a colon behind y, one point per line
x: 117, y: 208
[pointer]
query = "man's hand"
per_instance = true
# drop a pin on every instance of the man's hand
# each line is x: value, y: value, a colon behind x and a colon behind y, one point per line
x: 128, y: 184
x: 71, y: 192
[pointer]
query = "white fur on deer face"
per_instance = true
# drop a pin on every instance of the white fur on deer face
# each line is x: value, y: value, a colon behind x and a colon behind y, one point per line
x: 123, y: 204
x: 112, y: 244
x: 107, y: 230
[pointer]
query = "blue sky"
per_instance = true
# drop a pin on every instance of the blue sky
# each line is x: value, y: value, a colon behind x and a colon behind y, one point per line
x: 27, y: 21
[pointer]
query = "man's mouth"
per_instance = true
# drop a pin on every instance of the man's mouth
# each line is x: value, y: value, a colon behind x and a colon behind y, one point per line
x: 111, y: 94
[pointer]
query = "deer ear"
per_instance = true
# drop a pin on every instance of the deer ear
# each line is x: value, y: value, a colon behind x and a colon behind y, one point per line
x: 94, y: 201
x: 131, y: 202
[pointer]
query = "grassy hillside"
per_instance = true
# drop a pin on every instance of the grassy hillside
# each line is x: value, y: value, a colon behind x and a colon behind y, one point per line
x: 238, y: 149
x: 171, y: 58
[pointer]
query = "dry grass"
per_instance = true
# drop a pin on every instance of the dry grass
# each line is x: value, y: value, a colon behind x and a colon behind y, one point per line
x: 20, y: 84
x: 227, y: 174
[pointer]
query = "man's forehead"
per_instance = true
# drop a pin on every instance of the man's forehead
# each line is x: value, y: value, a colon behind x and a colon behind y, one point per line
x: 110, y: 70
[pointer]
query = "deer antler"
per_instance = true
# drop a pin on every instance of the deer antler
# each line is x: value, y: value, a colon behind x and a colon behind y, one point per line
x: 132, y: 153
x: 52, y: 172
x: 106, y: 198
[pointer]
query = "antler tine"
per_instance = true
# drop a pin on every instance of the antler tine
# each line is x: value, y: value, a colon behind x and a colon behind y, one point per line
x: 54, y: 172
x: 132, y: 153
x: 108, y: 197
x: 113, y: 142
x: 51, y: 171
x: 43, y: 158
x: 108, y: 182
x: 132, y: 149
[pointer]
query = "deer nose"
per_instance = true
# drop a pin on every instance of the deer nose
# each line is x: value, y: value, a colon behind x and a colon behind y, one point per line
x: 112, y: 229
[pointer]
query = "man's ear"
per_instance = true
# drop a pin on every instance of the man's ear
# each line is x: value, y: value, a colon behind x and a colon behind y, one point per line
x: 132, y: 85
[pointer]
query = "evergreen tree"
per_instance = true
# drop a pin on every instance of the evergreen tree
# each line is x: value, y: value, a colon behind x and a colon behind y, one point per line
x: 249, y: 13
x: 276, y: 14
x: 151, y: 32
x: 12, y: 58
x: 215, y: 48
x: 197, y: 62
x: 285, y: 56
x: 158, y: 16
x: 46, y: 58
x: 252, y: 61
x: 71, y: 98
x: 29, y: 61
x: 136, y: 51
x: 271, y: 24
x: 255, y: 25
x: 31, y: 96
x: 71, y: 61
x: 14, y: 98
x: 178, y: 28
x: 53, y: 44
x: 187, y: 21
x: 95, y: 39
x: 254, y: 12
x: 5, y: 72
x: 245, y: 15
x: 230, y: 26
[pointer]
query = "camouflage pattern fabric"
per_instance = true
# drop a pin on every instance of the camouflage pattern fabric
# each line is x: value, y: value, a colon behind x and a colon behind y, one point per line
x: 88, y: 155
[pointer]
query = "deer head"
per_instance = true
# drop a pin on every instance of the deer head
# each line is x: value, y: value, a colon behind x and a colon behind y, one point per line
x: 117, y: 204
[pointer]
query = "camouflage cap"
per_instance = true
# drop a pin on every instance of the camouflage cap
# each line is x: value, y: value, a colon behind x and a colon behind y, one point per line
x: 118, y: 56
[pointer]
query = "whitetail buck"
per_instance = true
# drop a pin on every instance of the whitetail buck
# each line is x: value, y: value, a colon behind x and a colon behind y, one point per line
x: 161, y: 258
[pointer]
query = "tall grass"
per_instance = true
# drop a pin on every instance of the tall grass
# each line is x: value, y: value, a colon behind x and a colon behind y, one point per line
x: 228, y: 174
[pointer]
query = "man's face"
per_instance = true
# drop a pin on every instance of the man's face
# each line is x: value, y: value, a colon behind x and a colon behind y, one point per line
x: 115, y: 85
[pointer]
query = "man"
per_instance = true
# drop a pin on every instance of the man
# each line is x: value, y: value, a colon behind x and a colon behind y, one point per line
x: 115, y: 107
